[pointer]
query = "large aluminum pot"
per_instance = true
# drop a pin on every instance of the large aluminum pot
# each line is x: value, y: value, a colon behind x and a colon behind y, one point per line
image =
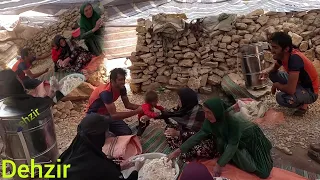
x: 252, y: 63
x: 36, y: 139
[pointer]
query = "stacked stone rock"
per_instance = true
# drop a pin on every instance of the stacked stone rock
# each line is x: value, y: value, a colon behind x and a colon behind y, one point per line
x: 200, y: 62
x: 41, y: 43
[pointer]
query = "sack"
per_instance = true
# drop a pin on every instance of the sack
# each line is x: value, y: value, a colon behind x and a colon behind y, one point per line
x: 42, y: 90
x: 248, y: 108
x: 122, y: 147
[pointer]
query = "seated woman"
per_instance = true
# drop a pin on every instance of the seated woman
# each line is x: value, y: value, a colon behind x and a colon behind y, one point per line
x: 15, y: 97
x: 85, y: 156
x: 91, y: 28
x: 11, y: 85
x: 240, y: 142
x: 189, y: 117
x: 72, y: 58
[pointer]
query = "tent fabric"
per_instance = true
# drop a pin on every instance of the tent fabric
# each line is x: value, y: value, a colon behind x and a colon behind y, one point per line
x: 128, y: 13
x: 121, y: 8
x: 14, y: 7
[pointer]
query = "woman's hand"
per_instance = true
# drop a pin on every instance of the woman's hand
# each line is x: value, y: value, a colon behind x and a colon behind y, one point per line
x: 65, y: 62
x: 171, y: 132
x: 126, y: 165
x: 174, y: 154
x: 217, y: 170
x: 98, y: 25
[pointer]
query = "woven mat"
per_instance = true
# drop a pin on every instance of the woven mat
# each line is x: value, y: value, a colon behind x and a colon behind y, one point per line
x: 153, y: 140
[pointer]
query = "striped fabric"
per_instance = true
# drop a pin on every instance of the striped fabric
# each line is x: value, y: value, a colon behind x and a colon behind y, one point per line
x: 233, y: 89
x: 119, y: 42
x: 153, y: 140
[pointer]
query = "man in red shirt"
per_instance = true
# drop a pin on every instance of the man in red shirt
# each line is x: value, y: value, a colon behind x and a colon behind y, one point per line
x: 102, y: 101
x: 299, y: 84
x: 22, y: 69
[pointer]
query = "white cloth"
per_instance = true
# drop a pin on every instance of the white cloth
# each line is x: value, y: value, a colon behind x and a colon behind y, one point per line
x: 251, y: 110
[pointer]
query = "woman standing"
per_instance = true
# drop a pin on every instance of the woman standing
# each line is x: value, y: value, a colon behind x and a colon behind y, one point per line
x: 239, y: 141
x: 71, y: 58
x: 189, y: 117
x: 91, y: 27
x: 85, y: 156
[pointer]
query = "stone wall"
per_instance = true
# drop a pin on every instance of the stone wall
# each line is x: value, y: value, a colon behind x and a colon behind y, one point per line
x: 41, y: 42
x: 199, y: 61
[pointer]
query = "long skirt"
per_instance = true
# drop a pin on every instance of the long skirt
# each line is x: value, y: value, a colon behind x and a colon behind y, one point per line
x: 95, y: 44
x: 79, y: 59
x: 253, y: 154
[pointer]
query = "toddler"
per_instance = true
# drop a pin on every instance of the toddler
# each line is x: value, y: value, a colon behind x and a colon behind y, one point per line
x: 151, y: 102
x: 55, y: 52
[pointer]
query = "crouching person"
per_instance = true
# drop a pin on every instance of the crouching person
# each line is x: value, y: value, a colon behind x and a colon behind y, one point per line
x: 299, y: 84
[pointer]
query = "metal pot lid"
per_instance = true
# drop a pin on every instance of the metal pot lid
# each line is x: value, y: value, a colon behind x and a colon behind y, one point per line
x: 21, y: 105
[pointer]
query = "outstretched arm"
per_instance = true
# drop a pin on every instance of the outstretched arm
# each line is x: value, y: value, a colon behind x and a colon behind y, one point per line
x: 197, y: 138
x: 107, y: 98
x: 125, y: 100
x: 27, y: 71
x: 120, y: 115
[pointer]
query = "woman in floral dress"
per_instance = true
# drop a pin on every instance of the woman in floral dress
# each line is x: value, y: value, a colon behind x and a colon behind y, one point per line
x: 188, y: 118
x: 72, y: 58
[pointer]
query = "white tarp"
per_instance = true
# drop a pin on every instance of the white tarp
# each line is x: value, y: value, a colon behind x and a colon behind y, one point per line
x: 128, y: 13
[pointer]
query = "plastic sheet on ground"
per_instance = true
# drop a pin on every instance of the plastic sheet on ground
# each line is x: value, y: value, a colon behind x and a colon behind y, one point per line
x: 92, y: 70
x: 232, y: 172
x: 271, y: 118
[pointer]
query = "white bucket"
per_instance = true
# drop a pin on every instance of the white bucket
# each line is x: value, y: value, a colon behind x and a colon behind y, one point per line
x: 146, y: 156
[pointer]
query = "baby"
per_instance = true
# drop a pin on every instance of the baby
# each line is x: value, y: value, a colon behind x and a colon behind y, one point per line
x: 151, y: 102
x: 55, y: 52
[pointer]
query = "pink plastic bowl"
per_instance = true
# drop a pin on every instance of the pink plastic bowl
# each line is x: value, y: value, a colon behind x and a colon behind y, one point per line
x: 76, y: 33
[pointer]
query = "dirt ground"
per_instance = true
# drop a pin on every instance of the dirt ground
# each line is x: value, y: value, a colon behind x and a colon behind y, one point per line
x: 295, y: 134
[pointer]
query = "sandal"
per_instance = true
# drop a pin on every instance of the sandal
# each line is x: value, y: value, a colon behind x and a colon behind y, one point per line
x: 300, y: 112
x: 315, y: 147
x: 314, y: 156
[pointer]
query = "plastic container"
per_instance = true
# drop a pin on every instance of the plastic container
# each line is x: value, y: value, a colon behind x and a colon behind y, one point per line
x: 71, y: 75
x: 127, y: 172
x: 76, y: 33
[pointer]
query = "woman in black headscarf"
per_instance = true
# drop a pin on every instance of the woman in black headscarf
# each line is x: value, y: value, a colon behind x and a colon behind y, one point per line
x: 14, y: 97
x: 72, y: 58
x: 85, y: 156
x: 189, y: 117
